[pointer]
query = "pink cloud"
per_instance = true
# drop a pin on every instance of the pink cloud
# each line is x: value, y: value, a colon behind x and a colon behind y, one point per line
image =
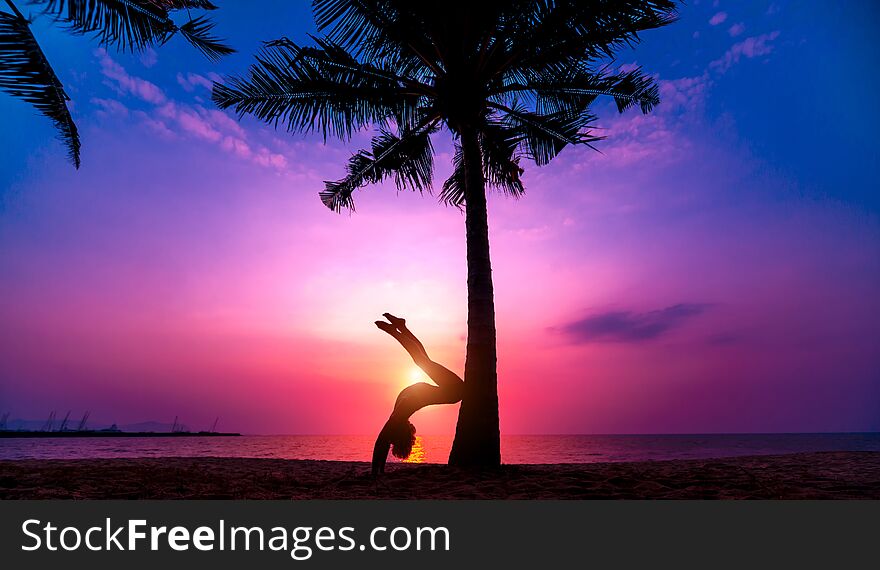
x: 197, y: 126
x: 125, y: 83
x: 224, y: 121
x: 633, y: 138
x: 718, y: 18
x: 149, y: 57
x: 217, y: 127
x: 170, y: 118
x: 736, y: 29
x: 236, y: 146
x: 110, y: 107
x: 749, y: 48
x: 157, y: 126
x: 190, y: 81
x: 265, y: 157
x: 684, y: 93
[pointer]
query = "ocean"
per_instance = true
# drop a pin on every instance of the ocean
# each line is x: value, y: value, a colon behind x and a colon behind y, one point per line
x: 435, y: 449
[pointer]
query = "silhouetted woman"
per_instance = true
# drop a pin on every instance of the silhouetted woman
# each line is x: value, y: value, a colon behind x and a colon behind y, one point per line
x: 398, y: 433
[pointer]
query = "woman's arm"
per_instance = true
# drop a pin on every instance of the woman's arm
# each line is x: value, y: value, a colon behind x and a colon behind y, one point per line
x: 380, y: 453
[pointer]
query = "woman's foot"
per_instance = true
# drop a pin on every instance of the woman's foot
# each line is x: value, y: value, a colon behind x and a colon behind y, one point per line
x: 398, y: 323
x: 387, y: 327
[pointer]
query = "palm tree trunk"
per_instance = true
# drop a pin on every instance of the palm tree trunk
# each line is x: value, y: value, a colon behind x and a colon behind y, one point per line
x: 477, y: 439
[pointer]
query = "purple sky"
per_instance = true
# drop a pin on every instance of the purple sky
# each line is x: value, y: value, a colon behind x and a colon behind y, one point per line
x: 715, y: 268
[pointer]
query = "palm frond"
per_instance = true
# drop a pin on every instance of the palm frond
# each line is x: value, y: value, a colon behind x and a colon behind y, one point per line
x: 294, y: 87
x: 336, y: 56
x: 198, y: 32
x: 353, y: 23
x: 543, y: 136
x: 452, y: 193
x: 123, y: 24
x: 182, y: 4
x: 577, y: 89
x: 559, y: 35
x: 501, y: 165
x: 501, y: 159
x: 134, y: 25
x: 520, y: 73
x: 381, y: 30
x: 408, y: 158
x: 25, y: 73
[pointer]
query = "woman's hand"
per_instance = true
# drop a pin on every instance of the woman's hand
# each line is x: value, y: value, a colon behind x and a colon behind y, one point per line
x: 387, y: 327
x: 396, y: 321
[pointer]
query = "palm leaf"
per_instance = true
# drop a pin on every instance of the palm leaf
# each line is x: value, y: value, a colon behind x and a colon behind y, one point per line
x: 552, y: 36
x: 543, y: 136
x: 292, y: 86
x: 133, y: 25
x: 575, y: 90
x: 501, y: 165
x: 408, y: 158
x: 123, y: 24
x: 182, y: 4
x: 382, y: 30
x: 521, y: 73
x: 25, y: 73
x: 198, y: 32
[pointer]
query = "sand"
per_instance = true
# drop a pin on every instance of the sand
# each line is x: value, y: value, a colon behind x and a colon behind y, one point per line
x: 831, y: 475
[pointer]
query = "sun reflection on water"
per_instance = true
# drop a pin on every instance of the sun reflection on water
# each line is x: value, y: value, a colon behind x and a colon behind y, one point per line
x: 418, y: 452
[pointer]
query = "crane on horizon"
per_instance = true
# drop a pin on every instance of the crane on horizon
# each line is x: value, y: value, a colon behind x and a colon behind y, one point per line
x: 50, y: 422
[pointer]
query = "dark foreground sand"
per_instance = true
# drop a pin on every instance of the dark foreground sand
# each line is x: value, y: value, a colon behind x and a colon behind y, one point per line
x: 833, y: 475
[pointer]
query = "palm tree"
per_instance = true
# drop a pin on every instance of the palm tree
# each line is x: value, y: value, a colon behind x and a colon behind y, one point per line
x: 131, y: 25
x: 509, y: 79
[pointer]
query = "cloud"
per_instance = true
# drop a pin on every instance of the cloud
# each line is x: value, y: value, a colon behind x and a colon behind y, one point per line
x: 189, y: 81
x: 736, y: 29
x: 155, y: 125
x: 124, y: 83
x: 190, y: 121
x: 108, y: 107
x: 149, y: 57
x: 170, y: 118
x: 684, y: 93
x: 634, y: 138
x: 749, y: 48
x: 628, y: 326
x: 718, y: 18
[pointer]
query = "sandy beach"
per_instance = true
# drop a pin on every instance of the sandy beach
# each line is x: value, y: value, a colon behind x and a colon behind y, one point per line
x: 828, y: 475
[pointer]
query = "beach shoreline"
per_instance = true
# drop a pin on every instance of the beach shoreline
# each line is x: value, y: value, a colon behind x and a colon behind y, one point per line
x: 819, y: 475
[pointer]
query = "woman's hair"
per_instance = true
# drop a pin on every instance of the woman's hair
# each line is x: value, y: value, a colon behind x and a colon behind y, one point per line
x: 402, y: 440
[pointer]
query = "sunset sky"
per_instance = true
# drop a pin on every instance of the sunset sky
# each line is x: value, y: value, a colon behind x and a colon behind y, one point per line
x: 715, y: 269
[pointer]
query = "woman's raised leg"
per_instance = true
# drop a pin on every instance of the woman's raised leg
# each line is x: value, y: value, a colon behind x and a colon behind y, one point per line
x: 442, y: 376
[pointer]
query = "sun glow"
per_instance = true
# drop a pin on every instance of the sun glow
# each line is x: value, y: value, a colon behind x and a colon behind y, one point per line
x: 418, y: 452
x: 411, y: 376
x: 416, y: 375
